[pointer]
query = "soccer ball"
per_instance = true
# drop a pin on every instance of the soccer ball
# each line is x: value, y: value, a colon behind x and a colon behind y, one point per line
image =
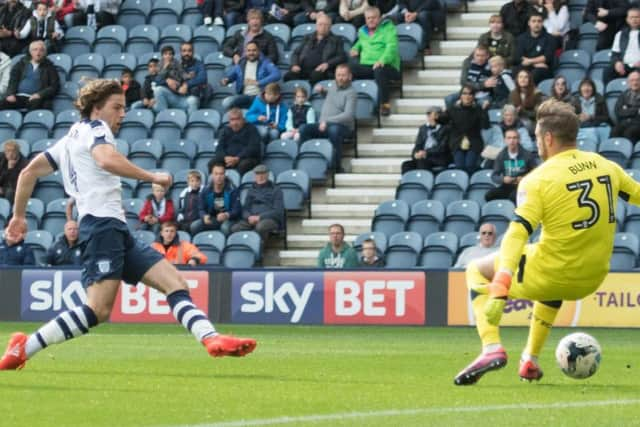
x: 578, y: 355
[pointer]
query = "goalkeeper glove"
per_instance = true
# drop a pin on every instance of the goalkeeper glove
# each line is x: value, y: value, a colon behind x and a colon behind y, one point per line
x: 498, y: 291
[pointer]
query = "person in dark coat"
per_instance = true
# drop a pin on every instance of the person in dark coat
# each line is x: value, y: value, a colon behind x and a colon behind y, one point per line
x: 11, y: 164
x: 233, y: 46
x: 67, y: 250
x: 238, y: 143
x: 431, y: 149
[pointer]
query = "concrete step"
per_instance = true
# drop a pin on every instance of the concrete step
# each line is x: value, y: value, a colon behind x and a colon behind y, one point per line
x: 470, y: 20
x: 312, y: 242
x: 443, y: 61
x: 298, y: 258
x: 467, y: 32
x: 321, y: 226
x: 435, y: 77
x: 453, y: 47
x: 385, y: 150
x: 491, y: 6
x: 415, y: 106
x: 377, y: 165
x: 404, y: 120
x: 337, y: 211
x: 429, y: 91
x: 366, y: 179
x: 393, y: 135
x: 351, y: 196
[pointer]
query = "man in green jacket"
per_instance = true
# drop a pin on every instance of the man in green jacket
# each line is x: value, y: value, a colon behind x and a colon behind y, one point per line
x: 337, y: 253
x: 376, y: 56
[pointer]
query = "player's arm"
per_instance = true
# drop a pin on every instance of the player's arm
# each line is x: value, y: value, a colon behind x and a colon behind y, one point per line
x: 629, y: 188
x: 108, y: 158
x: 38, y: 167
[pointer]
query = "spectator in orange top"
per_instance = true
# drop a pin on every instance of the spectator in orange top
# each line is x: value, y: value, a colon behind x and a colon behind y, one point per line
x: 174, y: 250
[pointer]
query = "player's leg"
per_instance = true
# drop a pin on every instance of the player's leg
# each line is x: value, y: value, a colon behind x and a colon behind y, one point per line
x: 478, y: 275
x: 542, y: 318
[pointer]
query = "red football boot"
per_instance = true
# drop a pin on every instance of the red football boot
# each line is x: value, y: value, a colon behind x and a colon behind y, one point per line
x: 15, y: 356
x: 227, y: 345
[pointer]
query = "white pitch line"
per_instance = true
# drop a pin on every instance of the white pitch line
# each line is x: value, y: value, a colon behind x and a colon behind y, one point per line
x: 406, y: 412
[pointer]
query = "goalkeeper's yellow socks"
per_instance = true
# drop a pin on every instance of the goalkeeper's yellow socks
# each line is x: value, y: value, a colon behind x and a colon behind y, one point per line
x: 542, y: 320
x: 477, y: 284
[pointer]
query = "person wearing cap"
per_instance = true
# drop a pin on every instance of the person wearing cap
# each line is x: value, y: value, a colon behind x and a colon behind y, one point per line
x: 263, y: 208
x: 431, y: 149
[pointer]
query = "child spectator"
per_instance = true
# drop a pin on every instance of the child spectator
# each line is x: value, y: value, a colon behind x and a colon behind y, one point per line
x: 147, y: 87
x: 504, y: 83
x: 268, y: 113
x: 43, y: 26
x: 130, y: 86
x: 300, y: 113
x: 189, y: 204
x: 156, y: 209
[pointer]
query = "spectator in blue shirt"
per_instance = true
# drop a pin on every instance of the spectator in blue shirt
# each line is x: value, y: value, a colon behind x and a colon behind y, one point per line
x: 15, y: 252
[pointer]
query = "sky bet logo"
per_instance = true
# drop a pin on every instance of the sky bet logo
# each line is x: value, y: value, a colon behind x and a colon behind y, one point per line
x: 46, y: 293
x: 277, y: 297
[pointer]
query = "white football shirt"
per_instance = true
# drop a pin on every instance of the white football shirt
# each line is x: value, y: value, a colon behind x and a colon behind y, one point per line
x: 96, y: 191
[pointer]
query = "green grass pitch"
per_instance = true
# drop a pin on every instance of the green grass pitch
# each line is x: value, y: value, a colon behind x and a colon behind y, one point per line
x: 157, y: 375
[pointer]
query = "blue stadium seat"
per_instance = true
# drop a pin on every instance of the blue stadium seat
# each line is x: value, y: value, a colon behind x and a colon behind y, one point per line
x: 316, y: 158
x: 495, y: 114
x: 36, y: 125
x: 439, y: 250
x: 206, y: 152
x: 64, y: 121
x: 65, y: 98
x: 207, y: 39
x: 142, y: 40
x: 498, y: 213
x: 5, y: 212
x: 545, y: 87
x: 575, y: 57
x: 78, y: 40
x: 216, y: 65
x: 132, y: 208
x: 588, y: 37
x: 40, y: 146
x: 49, y: 188
x: 202, y: 125
x: 88, y: 65
x: 426, y: 217
x: 166, y: 13
x: 299, y: 32
x: 110, y: 40
x: 625, y: 251
x: 632, y: 220
x: 367, y: 104
x: 177, y: 155
x: 281, y: 34
x: 174, y: 35
x: 403, y: 250
x: 122, y: 146
x: 136, y: 125
x: 390, y: 217
x: 296, y: 189
x: 280, y: 155
x: 617, y: 150
x: 612, y: 92
x: 146, y: 153
x: 169, y: 124
x: 284, y: 62
x: 133, y: 12
x: 242, y: 250
x: 191, y: 14
x: 34, y: 213
x: 347, y: 32
x: 128, y: 186
x: 234, y: 176
x: 470, y: 239
x: 55, y: 216
x: 146, y: 236
x: 376, y: 236
x: 10, y: 122
x: 461, y: 217
x: 288, y: 90
x: 479, y: 184
x: 571, y: 73
x: 39, y: 241
x: 587, y: 144
x: 211, y: 243
x: 600, y: 61
x: 232, y: 30
x: 415, y: 186
x: 117, y: 63
x: 450, y: 185
x: 410, y: 42
x: 63, y: 63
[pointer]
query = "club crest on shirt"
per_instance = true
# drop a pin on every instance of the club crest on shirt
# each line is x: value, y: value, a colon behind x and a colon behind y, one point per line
x: 104, y: 266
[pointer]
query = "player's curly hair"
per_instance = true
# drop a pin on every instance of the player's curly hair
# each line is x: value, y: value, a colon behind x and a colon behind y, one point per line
x: 559, y: 119
x: 95, y: 94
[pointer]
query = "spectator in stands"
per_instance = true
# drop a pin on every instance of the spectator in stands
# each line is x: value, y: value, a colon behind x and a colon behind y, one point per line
x: 180, y: 85
x: 500, y: 84
x: 33, y: 82
x: 590, y: 106
x: 11, y: 164
x: 431, y: 149
x: 314, y: 7
x: 189, y: 201
x: 369, y: 257
x: 44, y: 26
x: 263, y: 208
x: 15, y: 252
x: 494, y: 137
x: 213, y: 11
x: 389, y: 9
x: 484, y: 247
x: 13, y: 18
x: 268, y: 113
x: 337, y: 253
x: 300, y: 113
x: 475, y: 72
x: 130, y: 86
x: 219, y: 203
x: 177, y: 251
x: 515, y: 15
x: 560, y: 89
x: 608, y: 18
x: 263, y: 6
x: 625, y: 52
x: 466, y: 118
x: 156, y: 209
x: 96, y: 13
x: 238, y: 143
x: 318, y: 55
x: 499, y: 41
x: 557, y: 21
x: 429, y: 14
x: 234, y: 45
x: 627, y: 109
x: 251, y: 75
x: 526, y: 98
x: 511, y: 165
x: 352, y: 11
x: 5, y: 73
x: 376, y: 55
x: 150, y: 80
x: 291, y: 13
x: 67, y: 250
x: 337, y: 118
x: 65, y: 12
x: 536, y: 50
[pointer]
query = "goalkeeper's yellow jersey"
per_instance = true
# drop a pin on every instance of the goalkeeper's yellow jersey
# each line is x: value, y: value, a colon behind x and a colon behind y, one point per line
x: 573, y: 195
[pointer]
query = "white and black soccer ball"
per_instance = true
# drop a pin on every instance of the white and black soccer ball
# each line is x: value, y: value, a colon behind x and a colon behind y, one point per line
x: 578, y: 355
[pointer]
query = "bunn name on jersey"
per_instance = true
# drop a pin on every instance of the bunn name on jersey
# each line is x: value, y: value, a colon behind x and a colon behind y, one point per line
x: 582, y: 166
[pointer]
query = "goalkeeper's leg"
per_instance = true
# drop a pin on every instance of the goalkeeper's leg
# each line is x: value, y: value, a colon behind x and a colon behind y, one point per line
x: 542, y: 318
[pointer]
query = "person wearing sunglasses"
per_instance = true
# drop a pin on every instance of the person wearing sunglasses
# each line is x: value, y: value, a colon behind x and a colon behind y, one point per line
x: 486, y: 245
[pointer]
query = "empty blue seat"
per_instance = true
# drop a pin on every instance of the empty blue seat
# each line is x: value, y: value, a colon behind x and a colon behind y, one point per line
x: 347, y: 32
x: 191, y: 14
x: 10, y: 122
x: 165, y: 13
x: 216, y: 65
x: 280, y: 155
x: 39, y: 241
x: 64, y: 99
x: 146, y: 236
x: 499, y: 213
x: 49, y: 188
x: 410, y: 42
x: 117, y: 63
x: 625, y: 251
x: 415, y: 186
x: 367, y: 103
x: 36, y: 125
x: 146, y: 153
x: 296, y: 189
x: 87, y: 66
x: 177, y: 155
x: 136, y: 125
x: 450, y: 185
x: 439, y: 250
x: 34, y: 213
x: 169, y: 124
x: 5, y: 212
x: 207, y: 39
x: 461, y: 217
x: 64, y: 121
x: 211, y: 243
x: 426, y: 217
x: 202, y: 125
x: 316, y: 158
x: 403, y: 250
x: 78, y: 40
x: 55, y: 216
x: 390, y: 217
x: 132, y: 208
x: 133, y: 12
x: 617, y: 150
x: 479, y: 183
x: 63, y: 63
x: 174, y: 36
x: 40, y: 146
x: 142, y: 40
x: 110, y: 40
x: 470, y: 239
x: 242, y: 250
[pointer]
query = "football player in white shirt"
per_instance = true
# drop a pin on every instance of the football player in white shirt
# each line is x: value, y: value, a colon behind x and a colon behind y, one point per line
x: 91, y: 166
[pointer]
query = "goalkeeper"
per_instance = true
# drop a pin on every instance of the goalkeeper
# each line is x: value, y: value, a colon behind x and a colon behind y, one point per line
x: 573, y: 195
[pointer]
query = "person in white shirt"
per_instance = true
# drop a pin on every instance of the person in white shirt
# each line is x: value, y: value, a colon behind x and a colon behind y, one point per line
x: 486, y: 245
x: 625, y: 52
x: 557, y: 22
x: 91, y: 166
